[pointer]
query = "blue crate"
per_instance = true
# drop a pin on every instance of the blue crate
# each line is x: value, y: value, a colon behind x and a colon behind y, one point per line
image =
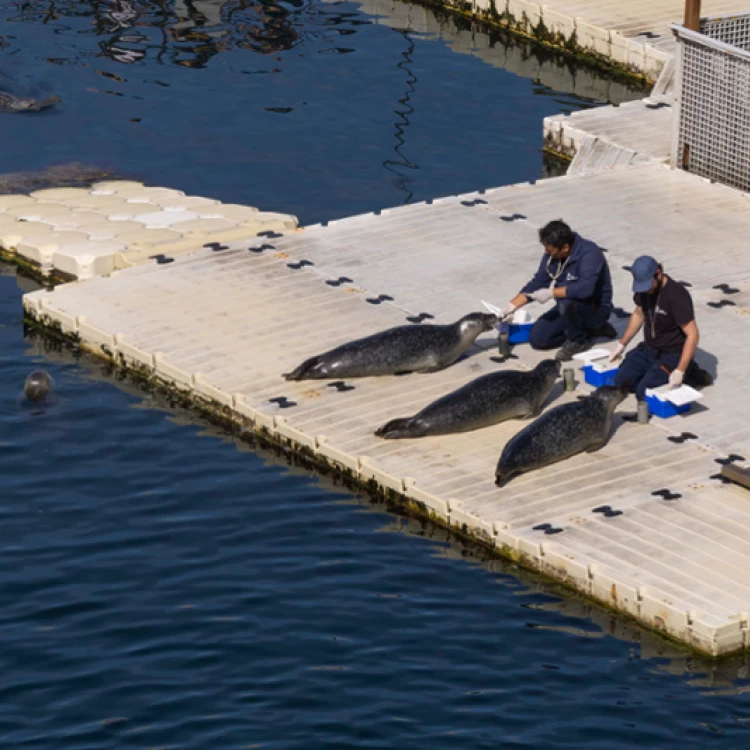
x: 518, y: 333
x: 665, y: 409
x: 596, y: 378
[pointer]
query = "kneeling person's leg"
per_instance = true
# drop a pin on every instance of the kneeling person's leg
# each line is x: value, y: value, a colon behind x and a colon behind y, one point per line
x: 583, y: 320
x: 549, y: 330
x: 633, y: 369
x: 657, y: 374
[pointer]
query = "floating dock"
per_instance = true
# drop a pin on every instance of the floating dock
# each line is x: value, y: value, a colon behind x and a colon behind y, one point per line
x: 224, y: 320
x: 77, y: 233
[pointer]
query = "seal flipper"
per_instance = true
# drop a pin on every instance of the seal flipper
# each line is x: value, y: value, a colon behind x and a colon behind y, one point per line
x: 597, y: 446
x: 304, y: 370
x: 397, y: 428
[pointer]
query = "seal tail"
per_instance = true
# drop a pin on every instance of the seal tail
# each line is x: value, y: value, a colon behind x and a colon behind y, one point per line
x: 395, y: 429
x: 305, y: 370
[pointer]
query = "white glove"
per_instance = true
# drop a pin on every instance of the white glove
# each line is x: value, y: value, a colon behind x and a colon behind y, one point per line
x: 541, y: 295
x: 616, y: 353
x: 506, y: 312
x: 675, y: 378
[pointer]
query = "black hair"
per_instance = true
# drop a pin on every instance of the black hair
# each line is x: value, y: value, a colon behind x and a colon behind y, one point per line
x: 557, y: 234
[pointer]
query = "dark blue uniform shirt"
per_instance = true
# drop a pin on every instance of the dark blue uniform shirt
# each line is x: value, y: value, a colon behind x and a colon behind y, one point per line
x: 586, y: 274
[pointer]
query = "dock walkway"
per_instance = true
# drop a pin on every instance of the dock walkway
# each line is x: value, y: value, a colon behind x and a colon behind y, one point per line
x: 613, y: 136
x: 226, y: 321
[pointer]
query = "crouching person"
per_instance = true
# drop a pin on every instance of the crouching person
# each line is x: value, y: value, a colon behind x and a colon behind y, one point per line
x: 664, y: 309
x: 573, y: 273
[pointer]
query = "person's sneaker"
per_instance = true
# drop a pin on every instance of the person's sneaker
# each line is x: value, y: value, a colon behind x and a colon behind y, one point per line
x: 569, y: 348
x: 697, y: 377
x: 605, y: 331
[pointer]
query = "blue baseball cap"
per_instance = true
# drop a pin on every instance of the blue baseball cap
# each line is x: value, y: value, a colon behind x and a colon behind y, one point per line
x: 643, y: 269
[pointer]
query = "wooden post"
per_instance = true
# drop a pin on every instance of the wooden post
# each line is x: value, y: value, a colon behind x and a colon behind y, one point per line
x: 693, y: 15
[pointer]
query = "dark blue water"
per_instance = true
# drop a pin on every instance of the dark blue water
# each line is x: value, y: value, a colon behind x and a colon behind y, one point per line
x: 164, y: 585
x: 306, y: 108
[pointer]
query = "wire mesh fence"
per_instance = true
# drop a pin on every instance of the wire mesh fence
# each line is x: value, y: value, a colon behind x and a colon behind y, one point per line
x: 713, y: 127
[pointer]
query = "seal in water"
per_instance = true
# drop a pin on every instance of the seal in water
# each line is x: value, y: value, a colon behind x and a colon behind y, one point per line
x: 487, y: 400
x: 561, y: 433
x: 38, y: 384
x: 413, y: 348
x: 13, y: 104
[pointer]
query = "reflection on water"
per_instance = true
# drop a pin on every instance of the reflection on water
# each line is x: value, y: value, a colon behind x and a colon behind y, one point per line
x: 191, y: 33
x: 402, y: 123
x: 240, y: 101
x: 551, y: 72
x: 183, y: 33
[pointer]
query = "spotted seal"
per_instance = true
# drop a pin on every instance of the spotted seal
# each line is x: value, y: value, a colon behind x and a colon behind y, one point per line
x: 38, y: 384
x: 412, y: 348
x: 484, y: 401
x: 13, y: 104
x: 561, y: 433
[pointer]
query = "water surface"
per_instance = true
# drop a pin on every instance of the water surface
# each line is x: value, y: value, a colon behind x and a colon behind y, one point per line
x: 308, y: 108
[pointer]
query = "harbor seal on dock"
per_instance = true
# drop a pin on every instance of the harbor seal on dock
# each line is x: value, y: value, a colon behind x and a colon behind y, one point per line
x: 412, y: 348
x: 38, y: 384
x: 561, y: 433
x: 487, y: 400
x: 13, y: 104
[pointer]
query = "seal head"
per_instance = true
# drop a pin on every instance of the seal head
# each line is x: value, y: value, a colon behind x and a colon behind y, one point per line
x: 475, y: 323
x: 38, y: 384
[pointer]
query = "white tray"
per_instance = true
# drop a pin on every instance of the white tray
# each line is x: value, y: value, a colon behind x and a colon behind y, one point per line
x: 677, y: 396
x: 520, y: 317
x: 591, y: 355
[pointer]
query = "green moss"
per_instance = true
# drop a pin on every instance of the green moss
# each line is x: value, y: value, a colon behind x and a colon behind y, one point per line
x: 544, y: 35
x: 30, y: 270
x: 557, y: 154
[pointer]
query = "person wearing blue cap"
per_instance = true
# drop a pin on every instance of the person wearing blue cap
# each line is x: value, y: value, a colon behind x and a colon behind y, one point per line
x: 574, y: 274
x: 664, y: 309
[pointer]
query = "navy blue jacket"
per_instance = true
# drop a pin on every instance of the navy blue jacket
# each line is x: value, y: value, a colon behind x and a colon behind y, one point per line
x: 586, y: 274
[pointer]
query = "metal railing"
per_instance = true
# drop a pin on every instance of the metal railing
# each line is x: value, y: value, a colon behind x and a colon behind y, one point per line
x: 712, y: 123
